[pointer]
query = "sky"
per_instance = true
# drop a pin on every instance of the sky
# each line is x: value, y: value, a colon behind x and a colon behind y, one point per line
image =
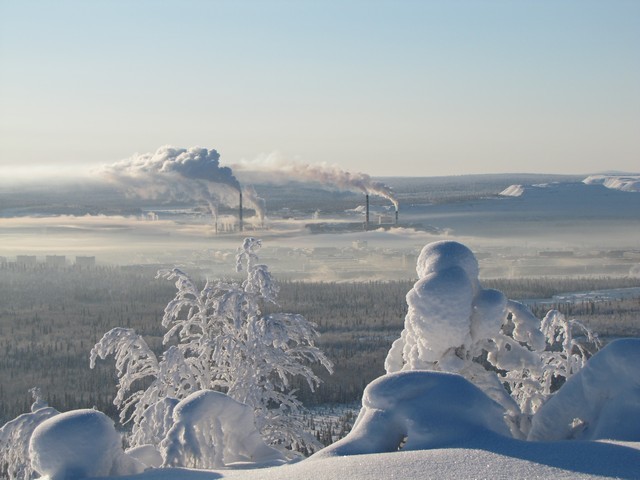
x: 402, y: 88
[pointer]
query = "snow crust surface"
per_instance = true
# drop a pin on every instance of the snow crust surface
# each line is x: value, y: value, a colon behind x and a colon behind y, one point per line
x: 508, y: 460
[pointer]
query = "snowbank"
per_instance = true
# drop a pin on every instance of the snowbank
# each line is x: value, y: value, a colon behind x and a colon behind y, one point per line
x: 419, y: 410
x: 79, y: 444
x: 601, y: 401
x: 518, y: 460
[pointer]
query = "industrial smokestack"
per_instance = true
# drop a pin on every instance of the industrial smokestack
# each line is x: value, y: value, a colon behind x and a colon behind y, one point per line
x: 396, y: 215
x: 240, y: 221
x: 366, y: 221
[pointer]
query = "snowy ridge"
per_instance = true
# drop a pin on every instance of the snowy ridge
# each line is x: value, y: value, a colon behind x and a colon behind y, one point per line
x: 625, y: 183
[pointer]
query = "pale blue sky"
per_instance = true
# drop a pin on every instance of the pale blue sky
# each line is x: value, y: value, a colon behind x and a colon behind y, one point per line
x: 385, y: 87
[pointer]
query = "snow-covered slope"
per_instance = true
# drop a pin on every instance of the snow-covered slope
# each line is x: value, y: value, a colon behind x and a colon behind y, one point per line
x: 571, y: 212
x: 513, y: 191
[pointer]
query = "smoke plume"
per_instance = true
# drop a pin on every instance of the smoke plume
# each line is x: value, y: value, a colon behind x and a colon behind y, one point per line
x: 181, y: 174
x: 273, y: 168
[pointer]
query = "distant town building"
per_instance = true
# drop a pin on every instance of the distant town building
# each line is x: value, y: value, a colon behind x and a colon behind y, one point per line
x: 3, y: 260
x: 85, y: 262
x: 26, y: 260
x: 56, y: 260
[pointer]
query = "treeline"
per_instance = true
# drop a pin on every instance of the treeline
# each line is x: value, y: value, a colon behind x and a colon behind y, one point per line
x: 50, y: 318
x: 546, y: 287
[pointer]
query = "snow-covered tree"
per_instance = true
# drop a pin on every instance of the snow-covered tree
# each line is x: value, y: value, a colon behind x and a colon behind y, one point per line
x: 221, y: 340
x: 455, y: 325
x: 136, y: 365
x: 567, y: 353
x: 15, y: 436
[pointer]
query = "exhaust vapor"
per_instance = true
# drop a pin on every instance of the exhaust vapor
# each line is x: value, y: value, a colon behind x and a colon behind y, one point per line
x: 182, y: 174
x: 273, y: 168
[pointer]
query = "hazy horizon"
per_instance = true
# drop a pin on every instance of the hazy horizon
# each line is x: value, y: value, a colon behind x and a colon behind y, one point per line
x: 316, y: 231
x: 387, y: 88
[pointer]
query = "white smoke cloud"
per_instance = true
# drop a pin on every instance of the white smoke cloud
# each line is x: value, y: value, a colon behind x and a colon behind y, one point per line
x: 182, y: 174
x: 275, y: 168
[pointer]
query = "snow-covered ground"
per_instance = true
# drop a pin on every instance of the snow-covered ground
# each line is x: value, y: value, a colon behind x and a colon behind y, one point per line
x: 508, y: 460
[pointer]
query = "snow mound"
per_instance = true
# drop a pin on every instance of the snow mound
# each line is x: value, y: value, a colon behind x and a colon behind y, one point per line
x: 148, y: 455
x: 438, y: 256
x: 512, y: 191
x: 625, y: 183
x: 418, y: 410
x: 211, y: 429
x: 601, y: 401
x: 79, y: 444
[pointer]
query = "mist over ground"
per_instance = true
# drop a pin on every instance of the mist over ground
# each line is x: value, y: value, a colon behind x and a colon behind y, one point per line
x: 316, y: 231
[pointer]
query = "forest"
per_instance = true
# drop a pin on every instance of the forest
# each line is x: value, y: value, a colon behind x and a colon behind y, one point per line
x: 50, y: 318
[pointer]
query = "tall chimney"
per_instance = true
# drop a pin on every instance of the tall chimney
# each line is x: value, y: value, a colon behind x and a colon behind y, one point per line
x: 366, y: 221
x: 396, y: 215
x: 240, y: 221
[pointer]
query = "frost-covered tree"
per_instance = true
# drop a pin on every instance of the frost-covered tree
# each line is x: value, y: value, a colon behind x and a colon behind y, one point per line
x: 221, y: 340
x: 455, y: 325
x: 169, y: 379
x: 567, y: 352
